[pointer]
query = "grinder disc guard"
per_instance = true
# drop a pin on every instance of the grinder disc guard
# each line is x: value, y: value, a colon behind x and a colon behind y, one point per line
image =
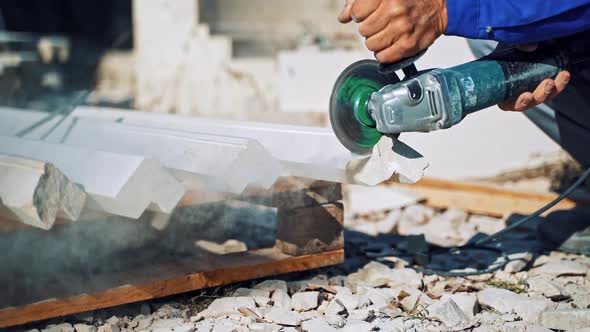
x: 349, y: 116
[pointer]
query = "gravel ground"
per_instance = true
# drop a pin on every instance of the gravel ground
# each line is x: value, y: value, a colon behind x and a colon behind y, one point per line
x: 382, y: 287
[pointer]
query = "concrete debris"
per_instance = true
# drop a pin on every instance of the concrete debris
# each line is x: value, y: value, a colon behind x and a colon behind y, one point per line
x: 467, y: 302
x: 124, y: 185
x: 37, y: 193
x: 486, y: 225
x: 84, y: 328
x: 376, y: 274
x: 305, y: 301
x: 65, y: 327
x: 272, y: 285
x: 363, y: 200
x: 566, y: 319
x: 281, y: 299
x: 170, y: 323
x: 357, y: 326
x: 261, y: 296
x: 334, y: 307
x: 540, y: 285
x: 335, y: 320
x: 316, y: 325
x: 380, y: 297
x: 283, y: 317
x: 113, y: 328
x: 563, y: 268
x: 385, y: 226
x: 226, y: 305
x: 505, y: 301
x: 448, y: 312
x: 389, y: 160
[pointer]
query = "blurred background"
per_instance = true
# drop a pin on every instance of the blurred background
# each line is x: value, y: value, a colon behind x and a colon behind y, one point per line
x: 255, y: 60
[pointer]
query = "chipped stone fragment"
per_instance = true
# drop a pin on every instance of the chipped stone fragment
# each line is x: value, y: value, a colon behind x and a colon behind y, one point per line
x: 467, y: 302
x: 316, y: 325
x: 261, y: 296
x: 357, y: 326
x: 566, y: 319
x: 272, y: 285
x: 281, y: 299
x: 84, y: 328
x: 448, y: 312
x: 283, y: 317
x: 305, y: 301
x: 505, y: 301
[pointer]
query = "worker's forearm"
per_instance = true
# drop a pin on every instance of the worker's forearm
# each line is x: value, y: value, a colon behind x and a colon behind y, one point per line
x: 519, y: 22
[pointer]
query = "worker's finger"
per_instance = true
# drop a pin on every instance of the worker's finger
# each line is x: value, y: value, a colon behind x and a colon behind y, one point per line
x: 382, y: 39
x: 543, y: 91
x: 362, y: 9
x: 561, y: 82
x: 345, y: 16
x: 522, y: 103
x: 376, y: 22
x: 399, y: 50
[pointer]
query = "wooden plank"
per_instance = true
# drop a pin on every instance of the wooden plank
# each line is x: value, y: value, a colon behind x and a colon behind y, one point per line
x: 228, y: 269
x: 482, y: 199
x: 308, y: 230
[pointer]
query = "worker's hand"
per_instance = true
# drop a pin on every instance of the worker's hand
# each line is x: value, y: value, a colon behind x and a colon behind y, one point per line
x: 396, y: 29
x: 544, y: 92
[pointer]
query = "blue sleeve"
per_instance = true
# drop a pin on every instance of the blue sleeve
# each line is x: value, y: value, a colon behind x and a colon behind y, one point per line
x: 517, y: 21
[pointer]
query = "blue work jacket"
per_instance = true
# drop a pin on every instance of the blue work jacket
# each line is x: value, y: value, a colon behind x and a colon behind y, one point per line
x: 517, y: 21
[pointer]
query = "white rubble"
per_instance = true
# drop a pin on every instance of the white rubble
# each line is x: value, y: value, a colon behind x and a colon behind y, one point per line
x: 261, y: 296
x: 505, y: 301
x: 316, y: 325
x: 566, y: 319
x: 305, y: 301
x: 448, y: 312
x: 271, y: 285
x: 281, y: 299
x: 226, y: 305
x: 467, y: 302
x: 283, y: 317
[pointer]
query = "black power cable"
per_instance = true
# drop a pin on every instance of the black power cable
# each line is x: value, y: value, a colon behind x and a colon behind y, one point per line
x: 481, y: 244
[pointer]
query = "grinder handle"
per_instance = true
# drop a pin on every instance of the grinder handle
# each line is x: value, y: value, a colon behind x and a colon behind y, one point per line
x: 498, y: 77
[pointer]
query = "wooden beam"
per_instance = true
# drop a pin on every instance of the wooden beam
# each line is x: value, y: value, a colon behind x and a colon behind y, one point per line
x: 227, y: 269
x: 482, y: 199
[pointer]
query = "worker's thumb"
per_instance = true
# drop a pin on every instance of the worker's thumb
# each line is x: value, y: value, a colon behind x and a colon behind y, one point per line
x: 346, y: 15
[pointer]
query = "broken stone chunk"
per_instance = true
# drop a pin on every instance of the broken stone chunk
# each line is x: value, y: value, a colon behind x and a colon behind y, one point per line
x: 566, y: 319
x: 305, y: 301
x: 226, y: 305
x: 261, y: 296
x: 281, y: 299
x: 467, y: 302
x: 272, y: 285
x: 316, y: 325
x: 539, y: 285
x: 505, y: 301
x: 84, y: 328
x: 65, y: 327
x: 448, y: 312
x: 562, y: 268
x: 283, y: 317
x: 357, y: 326
x: 334, y: 307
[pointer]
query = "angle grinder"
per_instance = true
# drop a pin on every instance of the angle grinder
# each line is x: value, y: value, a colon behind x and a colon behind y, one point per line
x: 370, y: 100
